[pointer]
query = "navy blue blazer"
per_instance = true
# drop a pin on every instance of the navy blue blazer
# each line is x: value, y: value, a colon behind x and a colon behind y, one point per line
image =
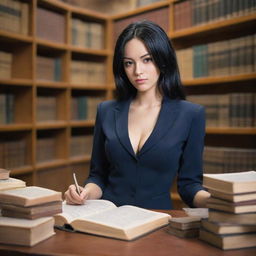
x: 174, y: 148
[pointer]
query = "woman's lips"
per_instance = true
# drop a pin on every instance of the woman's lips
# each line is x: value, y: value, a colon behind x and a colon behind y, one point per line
x: 140, y: 81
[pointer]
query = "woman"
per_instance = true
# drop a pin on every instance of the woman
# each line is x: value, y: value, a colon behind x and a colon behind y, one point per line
x: 150, y: 134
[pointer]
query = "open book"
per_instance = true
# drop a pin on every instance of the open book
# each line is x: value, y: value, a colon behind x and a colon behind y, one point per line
x: 102, y: 217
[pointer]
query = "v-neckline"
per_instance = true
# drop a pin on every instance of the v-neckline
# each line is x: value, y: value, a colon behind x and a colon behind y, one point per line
x: 151, y: 133
x: 165, y: 121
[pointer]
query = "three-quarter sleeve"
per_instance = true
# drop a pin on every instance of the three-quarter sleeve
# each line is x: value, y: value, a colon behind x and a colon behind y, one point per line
x: 191, y: 163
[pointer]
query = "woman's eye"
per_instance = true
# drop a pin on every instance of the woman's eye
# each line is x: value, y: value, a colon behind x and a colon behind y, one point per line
x: 146, y: 60
x: 127, y: 63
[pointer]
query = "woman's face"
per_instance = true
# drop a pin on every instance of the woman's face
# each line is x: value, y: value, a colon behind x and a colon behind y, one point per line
x: 139, y: 66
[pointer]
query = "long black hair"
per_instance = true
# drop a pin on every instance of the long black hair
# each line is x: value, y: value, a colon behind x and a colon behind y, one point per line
x: 163, y: 54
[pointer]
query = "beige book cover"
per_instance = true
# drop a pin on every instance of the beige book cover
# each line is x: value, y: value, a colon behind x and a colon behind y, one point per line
x: 28, y: 196
x: 25, y: 232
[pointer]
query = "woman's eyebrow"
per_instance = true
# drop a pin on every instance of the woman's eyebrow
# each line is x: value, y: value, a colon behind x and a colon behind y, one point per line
x: 140, y: 56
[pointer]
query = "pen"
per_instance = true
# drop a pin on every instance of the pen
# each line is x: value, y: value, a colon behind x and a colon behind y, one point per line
x: 76, y: 184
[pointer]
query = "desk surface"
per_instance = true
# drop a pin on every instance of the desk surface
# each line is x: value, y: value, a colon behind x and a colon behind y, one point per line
x: 157, y: 243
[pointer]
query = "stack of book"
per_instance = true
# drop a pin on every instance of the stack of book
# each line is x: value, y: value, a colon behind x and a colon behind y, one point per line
x: 27, y: 214
x: 184, y: 227
x: 232, y: 210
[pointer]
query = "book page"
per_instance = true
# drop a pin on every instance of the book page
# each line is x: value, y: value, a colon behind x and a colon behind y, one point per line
x: 72, y: 212
x: 125, y: 217
x: 234, y: 177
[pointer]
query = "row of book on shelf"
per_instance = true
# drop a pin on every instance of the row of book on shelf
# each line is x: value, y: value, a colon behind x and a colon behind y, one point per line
x: 14, y: 153
x: 87, y: 34
x: 228, y: 110
x: 7, y: 108
x: 221, y: 58
x: 159, y: 16
x: 14, y: 16
x: 190, y: 13
x: 84, y: 107
x: 224, y: 159
x: 29, y: 214
x: 51, y: 69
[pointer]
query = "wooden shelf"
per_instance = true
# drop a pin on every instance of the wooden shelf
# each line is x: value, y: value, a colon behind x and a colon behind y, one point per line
x: 51, y: 164
x: 80, y: 159
x: 51, y: 125
x: 88, y: 51
x: 22, y: 170
x: 15, y: 127
x: 51, y: 84
x: 27, y: 89
x: 140, y: 10
x: 207, y: 29
x: 89, y: 87
x: 50, y: 44
x: 12, y: 37
x: 82, y: 123
x: 17, y: 81
x: 219, y: 80
x: 231, y: 130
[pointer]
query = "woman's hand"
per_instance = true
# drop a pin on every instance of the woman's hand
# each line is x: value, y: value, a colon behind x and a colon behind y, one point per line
x: 90, y: 191
x: 72, y: 197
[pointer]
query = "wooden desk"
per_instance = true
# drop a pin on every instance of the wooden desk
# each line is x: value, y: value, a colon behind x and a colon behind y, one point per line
x: 158, y: 243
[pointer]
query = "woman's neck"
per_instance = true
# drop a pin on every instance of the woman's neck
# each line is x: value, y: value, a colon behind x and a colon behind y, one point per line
x: 147, y: 100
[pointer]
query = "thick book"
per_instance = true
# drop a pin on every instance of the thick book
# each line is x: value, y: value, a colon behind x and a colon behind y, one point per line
x: 184, y: 223
x: 188, y: 233
x: 239, y: 197
x: 226, y: 228
x: 25, y: 232
x: 11, y: 183
x: 239, y: 207
x: 227, y: 242
x: 4, y: 174
x: 29, y: 196
x: 241, y: 218
x: 102, y: 217
x: 31, y: 212
x: 239, y: 182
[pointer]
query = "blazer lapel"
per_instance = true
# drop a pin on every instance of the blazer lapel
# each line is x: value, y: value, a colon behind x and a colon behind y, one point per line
x: 121, y: 119
x: 166, y: 119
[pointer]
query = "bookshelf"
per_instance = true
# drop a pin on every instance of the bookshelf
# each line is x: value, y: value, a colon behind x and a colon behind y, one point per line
x: 239, y: 23
x: 30, y: 80
x: 36, y: 140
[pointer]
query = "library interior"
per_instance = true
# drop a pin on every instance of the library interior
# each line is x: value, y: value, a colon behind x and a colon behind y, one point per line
x: 56, y: 67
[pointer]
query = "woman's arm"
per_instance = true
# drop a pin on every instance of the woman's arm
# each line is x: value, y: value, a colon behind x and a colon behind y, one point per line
x: 200, y: 198
x: 191, y: 165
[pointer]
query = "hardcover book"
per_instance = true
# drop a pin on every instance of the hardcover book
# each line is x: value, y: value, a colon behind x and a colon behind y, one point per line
x: 239, y: 182
x: 31, y: 212
x: 239, y: 207
x: 25, y: 232
x: 225, y: 242
x: 29, y: 196
x: 102, y: 217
